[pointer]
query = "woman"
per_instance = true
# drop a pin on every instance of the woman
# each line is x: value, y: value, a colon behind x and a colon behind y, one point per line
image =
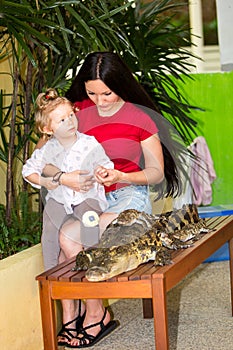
x: 122, y: 118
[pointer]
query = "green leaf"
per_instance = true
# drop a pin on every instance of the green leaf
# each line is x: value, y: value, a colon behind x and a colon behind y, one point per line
x: 64, y: 34
x: 24, y: 46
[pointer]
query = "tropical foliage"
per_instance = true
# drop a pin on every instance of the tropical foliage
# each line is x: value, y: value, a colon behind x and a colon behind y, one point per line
x: 45, y: 42
x: 25, y: 230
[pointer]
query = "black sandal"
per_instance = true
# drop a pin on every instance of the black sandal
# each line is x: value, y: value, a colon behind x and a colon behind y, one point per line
x: 88, y: 340
x: 70, y: 333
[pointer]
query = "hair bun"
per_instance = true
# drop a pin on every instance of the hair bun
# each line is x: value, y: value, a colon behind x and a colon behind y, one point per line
x: 45, y: 97
x: 50, y: 94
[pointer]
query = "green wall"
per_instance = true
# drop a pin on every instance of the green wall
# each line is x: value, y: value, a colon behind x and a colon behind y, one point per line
x: 214, y: 93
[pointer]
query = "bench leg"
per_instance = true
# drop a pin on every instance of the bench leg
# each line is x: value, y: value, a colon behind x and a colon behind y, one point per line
x: 160, y: 313
x: 231, y: 271
x: 47, y: 306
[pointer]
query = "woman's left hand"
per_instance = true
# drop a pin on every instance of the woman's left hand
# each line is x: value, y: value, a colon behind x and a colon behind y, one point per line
x: 107, y: 177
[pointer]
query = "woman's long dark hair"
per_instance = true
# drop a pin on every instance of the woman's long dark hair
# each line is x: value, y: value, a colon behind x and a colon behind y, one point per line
x: 110, y: 68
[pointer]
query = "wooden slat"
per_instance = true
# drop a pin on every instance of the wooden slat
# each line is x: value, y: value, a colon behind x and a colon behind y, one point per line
x: 100, y: 290
x: 136, y: 275
x: 57, y: 274
x: 70, y: 275
x: 45, y: 274
x: 78, y: 277
x: 148, y: 273
x: 218, y: 222
x: 132, y: 275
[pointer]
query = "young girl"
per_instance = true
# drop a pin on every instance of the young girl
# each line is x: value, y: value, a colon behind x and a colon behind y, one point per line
x: 68, y: 150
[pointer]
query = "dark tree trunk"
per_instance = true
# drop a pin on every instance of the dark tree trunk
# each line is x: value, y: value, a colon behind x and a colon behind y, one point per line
x: 9, y: 174
x: 27, y: 113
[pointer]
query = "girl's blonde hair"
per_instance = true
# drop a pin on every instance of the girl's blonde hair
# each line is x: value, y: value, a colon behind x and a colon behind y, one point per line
x: 46, y: 102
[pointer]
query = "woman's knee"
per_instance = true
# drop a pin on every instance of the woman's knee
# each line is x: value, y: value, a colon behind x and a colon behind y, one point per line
x: 62, y: 239
x: 105, y: 220
x: 69, y: 236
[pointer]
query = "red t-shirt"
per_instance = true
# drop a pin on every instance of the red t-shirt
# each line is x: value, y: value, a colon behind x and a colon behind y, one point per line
x: 120, y: 135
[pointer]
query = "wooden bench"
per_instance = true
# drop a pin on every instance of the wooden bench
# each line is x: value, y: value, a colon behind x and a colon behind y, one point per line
x: 147, y: 282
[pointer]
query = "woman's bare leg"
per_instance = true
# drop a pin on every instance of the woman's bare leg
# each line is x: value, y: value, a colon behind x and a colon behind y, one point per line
x: 94, y: 307
x: 105, y: 219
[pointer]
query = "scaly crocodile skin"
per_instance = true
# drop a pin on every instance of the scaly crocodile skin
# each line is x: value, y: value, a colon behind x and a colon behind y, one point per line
x: 135, y: 237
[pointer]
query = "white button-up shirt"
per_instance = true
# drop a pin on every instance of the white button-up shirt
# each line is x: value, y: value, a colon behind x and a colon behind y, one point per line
x: 85, y: 154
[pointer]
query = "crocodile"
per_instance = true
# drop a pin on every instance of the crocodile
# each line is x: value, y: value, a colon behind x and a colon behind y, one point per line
x: 135, y: 237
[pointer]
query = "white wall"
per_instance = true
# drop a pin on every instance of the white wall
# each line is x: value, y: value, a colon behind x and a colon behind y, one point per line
x: 225, y: 33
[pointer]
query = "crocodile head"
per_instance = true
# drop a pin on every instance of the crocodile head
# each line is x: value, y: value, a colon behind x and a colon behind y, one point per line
x: 98, y: 273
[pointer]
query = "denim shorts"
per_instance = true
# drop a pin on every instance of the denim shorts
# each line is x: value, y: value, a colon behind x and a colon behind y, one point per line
x: 129, y: 197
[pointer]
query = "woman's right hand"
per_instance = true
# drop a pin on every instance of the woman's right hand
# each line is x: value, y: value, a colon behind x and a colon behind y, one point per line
x: 78, y: 180
x: 48, y: 183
